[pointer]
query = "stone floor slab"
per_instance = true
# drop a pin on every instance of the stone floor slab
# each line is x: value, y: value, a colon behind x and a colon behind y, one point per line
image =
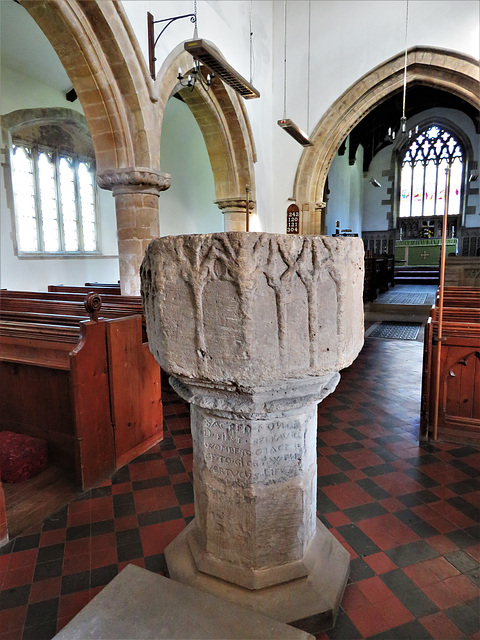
x: 139, y: 605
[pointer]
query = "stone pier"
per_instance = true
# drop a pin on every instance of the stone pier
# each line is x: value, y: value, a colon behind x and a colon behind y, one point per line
x: 253, y: 329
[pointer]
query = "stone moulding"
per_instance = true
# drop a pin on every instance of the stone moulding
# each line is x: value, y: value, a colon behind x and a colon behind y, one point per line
x: 246, y: 309
x: 128, y: 180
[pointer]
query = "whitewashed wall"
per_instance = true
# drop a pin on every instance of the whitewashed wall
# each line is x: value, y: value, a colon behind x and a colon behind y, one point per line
x: 188, y: 204
x: 346, y: 186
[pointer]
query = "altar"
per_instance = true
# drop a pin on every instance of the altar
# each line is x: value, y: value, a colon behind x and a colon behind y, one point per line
x: 422, y: 252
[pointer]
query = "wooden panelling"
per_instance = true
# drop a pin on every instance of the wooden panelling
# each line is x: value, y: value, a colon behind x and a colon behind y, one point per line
x: 458, y: 402
x: 91, y: 402
x: 134, y: 389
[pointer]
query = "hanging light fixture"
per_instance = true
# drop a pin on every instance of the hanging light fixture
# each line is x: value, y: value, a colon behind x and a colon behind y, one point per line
x: 391, y: 134
x: 204, y: 51
x: 201, y: 51
x: 288, y: 125
x: 196, y: 74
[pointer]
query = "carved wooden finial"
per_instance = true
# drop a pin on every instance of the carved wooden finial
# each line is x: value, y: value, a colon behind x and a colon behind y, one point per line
x: 93, y: 304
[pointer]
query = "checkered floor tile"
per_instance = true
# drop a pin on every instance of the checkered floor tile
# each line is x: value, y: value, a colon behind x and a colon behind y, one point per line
x: 408, y: 513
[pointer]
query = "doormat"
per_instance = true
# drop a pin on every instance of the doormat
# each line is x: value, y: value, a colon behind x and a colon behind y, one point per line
x: 405, y: 298
x: 396, y: 330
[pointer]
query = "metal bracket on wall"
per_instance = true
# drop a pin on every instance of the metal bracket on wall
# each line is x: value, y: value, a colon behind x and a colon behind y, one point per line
x: 152, y: 41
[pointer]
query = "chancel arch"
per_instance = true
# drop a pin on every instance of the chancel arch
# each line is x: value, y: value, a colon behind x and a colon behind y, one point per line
x: 449, y: 71
x: 223, y: 121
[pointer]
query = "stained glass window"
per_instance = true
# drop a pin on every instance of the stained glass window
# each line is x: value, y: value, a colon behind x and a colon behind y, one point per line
x: 423, y: 174
x: 54, y: 197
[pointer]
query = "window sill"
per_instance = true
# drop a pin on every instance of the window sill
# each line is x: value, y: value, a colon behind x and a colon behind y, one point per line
x: 67, y: 256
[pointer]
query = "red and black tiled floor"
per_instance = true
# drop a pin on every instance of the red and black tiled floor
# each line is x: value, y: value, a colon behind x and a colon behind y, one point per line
x: 407, y: 513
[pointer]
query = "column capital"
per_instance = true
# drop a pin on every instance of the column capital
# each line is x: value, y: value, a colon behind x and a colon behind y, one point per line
x: 234, y: 204
x: 134, y: 180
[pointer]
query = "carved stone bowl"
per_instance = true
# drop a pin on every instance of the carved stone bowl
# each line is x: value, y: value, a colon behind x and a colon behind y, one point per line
x: 248, y: 309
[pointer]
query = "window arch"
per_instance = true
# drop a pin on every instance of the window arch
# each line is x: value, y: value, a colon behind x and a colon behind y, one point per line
x: 52, y: 175
x: 423, y: 175
x: 54, y: 198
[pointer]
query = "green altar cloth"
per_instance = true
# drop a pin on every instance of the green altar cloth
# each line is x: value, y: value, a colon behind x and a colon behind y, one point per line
x: 424, y: 251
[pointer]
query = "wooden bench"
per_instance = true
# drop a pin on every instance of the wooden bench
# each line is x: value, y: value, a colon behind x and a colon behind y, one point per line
x: 91, y: 388
x: 101, y: 288
x: 68, y: 304
x: 379, y: 275
x: 458, y: 405
x: 460, y: 297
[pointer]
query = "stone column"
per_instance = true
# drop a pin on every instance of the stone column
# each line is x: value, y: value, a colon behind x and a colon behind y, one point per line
x: 234, y: 213
x: 313, y: 218
x: 136, y: 193
x: 266, y: 323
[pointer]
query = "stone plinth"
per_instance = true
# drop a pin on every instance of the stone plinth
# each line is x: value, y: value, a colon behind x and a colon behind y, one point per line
x: 253, y: 329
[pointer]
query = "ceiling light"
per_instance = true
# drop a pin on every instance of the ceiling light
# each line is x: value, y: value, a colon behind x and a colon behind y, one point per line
x: 295, y: 131
x: 203, y: 51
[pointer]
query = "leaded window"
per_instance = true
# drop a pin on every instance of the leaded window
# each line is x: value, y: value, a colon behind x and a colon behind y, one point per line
x: 423, y: 174
x: 54, y: 196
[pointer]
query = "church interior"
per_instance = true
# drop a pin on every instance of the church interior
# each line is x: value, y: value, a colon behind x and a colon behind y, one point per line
x: 114, y: 132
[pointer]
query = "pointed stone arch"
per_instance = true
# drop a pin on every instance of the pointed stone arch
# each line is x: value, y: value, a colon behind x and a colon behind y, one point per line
x: 101, y: 56
x: 447, y: 70
x: 100, y: 53
x: 223, y: 121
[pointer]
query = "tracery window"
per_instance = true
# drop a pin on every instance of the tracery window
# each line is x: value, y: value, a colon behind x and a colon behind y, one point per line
x: 423, y: 175
x: 54, y: 196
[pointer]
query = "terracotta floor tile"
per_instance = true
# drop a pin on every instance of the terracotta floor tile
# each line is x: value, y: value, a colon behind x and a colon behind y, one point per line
x: 395, y: 612
x: 462, y: 587
x: 375, y: 590
x: 442, y: 596
x: 440, y: 626
x: 11, y: 619
x: 45, y: 589
x: 17, y: 577
x: 442, y: 544
x: 75, y: 564
x: 474, y: 552
x: 337, y: 518
x: 421, y: 575
x: 441, y: 567
x: 380, y: 563
x: 52, y: 537
x: 23, y: 559
x: 347, y: 494
x: 71, y: 604
x: 368, y: 620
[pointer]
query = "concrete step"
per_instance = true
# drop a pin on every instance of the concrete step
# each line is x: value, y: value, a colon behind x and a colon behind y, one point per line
x: 138, y: 605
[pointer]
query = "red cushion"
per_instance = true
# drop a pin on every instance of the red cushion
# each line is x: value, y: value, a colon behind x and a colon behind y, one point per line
x: 21, y: 457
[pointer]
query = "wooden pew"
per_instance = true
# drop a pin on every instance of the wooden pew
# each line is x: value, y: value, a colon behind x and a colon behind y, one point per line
x: 458, y: 405
x: 39, y: 352
x: 58, y: 390
x: 460, y: 297
x: 379, y: 275
x: 68, y: 307
x: 113, y: 289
